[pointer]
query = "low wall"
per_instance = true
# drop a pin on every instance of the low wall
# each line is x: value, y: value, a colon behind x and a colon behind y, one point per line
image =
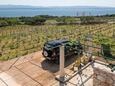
x: 103, y: 76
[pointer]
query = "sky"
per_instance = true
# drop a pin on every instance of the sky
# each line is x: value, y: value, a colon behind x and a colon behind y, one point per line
x: 107, y: 3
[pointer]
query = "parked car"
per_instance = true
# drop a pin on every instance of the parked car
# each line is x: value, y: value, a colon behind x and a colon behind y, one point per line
x: 51, y: 49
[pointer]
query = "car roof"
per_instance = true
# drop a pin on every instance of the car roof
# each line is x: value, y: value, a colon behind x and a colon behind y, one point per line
x: 57, y: 42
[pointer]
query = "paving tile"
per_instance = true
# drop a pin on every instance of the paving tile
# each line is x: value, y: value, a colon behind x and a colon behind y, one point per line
x: 7, y: 64
x: 32, y: 83
x: 32, y: 70
x: 22, y: 78
x: 12, y: 82
x: 24, y: 59
x: 24, y: 65
x: 9, y: 74
x: 2, y: 83
x: 13, y: 72
x: 47, y: 79
x: 5, y: 76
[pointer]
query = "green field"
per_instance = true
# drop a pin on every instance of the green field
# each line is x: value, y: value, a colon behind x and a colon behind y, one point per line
x: 19, y: 40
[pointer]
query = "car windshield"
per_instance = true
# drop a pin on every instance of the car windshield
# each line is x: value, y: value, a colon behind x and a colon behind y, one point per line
x: 48, y: 45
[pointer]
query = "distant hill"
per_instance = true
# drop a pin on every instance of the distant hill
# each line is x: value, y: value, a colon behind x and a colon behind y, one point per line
x: 16, y: 6
x: 26, y: 6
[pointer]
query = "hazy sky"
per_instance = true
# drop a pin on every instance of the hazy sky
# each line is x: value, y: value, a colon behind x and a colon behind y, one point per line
x: 110, y: 3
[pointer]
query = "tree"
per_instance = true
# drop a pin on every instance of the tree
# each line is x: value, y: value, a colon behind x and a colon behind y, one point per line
x: 3, y: 23
x: 37, y: 20
x: 87, y: 19
x: 12, y: 21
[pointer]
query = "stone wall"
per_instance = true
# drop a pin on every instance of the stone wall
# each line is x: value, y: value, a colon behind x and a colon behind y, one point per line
x: 103, y: 76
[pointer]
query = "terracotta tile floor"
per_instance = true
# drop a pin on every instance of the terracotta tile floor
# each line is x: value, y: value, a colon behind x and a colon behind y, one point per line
x: 34, y: 70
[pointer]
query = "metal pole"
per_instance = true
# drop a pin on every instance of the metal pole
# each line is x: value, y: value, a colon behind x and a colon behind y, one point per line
x: 62, y: 60
x: 89, y: 39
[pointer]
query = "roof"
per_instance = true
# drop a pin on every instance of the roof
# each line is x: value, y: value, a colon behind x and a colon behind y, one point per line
x: 57, y: 42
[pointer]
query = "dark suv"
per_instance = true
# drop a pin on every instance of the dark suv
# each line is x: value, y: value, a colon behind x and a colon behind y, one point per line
x: 51, y: 49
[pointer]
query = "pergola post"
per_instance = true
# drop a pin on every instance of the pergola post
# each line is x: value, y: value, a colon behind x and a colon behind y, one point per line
x: 61, y: 76
x: 62, y: 61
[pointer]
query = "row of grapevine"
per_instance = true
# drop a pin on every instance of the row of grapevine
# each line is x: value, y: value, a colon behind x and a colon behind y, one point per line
x: 20, y: 40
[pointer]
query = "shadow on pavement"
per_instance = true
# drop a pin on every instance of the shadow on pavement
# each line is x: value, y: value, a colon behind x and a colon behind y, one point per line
x: 53, y: 67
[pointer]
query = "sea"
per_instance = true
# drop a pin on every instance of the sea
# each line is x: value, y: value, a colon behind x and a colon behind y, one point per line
x: 56, y: 11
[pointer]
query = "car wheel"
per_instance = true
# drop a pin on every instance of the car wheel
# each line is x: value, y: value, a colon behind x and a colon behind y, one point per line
x: 45, y: 53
